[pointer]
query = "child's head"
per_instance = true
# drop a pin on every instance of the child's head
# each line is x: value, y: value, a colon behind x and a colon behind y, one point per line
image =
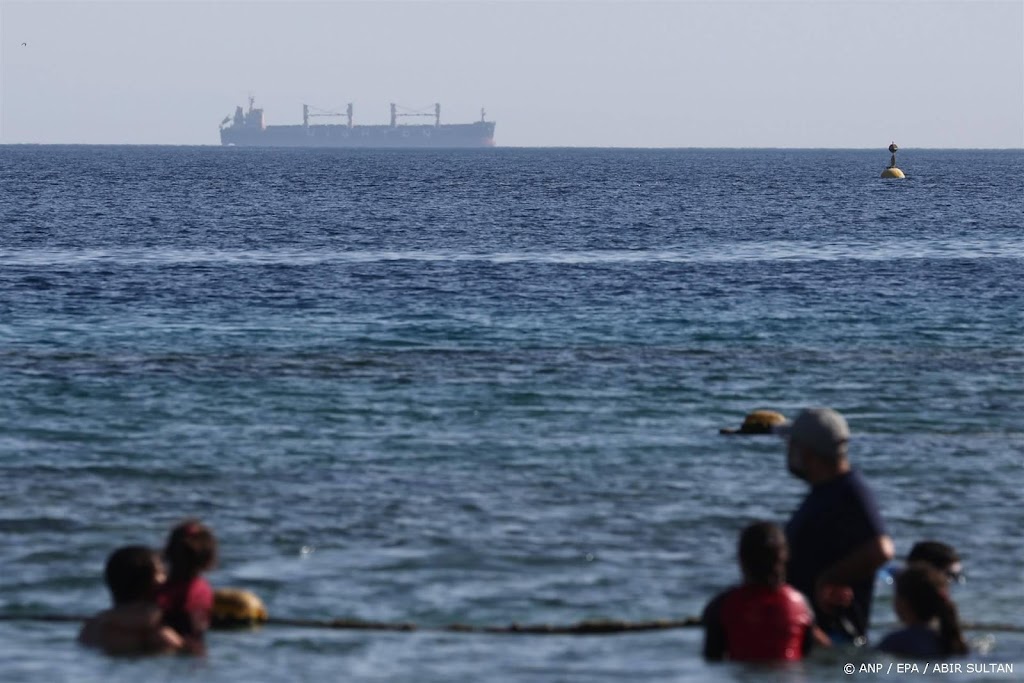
x: 763, y: 554
x: 133, y: 573
x: 191, y: 549
x: 922, y: 595
x: 942, y: 556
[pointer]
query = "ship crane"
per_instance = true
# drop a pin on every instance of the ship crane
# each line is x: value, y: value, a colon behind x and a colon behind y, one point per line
x: 413, y: 112
x: 307, y: 114
x: 247, y: 128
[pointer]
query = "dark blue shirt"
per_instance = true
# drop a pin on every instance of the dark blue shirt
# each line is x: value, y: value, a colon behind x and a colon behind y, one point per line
x: 834, y: 519
x: 913, y: 641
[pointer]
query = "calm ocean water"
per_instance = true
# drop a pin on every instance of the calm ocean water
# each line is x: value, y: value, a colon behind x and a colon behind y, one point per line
x: 486, y: 387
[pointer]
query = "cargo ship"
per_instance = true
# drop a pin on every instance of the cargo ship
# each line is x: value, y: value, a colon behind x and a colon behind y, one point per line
x: 248, y: 129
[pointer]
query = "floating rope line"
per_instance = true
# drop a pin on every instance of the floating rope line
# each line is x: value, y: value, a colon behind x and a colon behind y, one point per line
x: 588, y: 627
x: 41, y: 617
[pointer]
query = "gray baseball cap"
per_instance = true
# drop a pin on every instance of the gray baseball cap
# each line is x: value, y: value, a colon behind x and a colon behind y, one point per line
x: 822, y: 430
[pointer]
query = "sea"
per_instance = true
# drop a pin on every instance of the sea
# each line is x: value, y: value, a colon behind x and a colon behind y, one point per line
x: 485, y: 387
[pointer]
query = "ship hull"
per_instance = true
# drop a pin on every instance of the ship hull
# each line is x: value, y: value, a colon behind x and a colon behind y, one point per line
x: 479, y: 134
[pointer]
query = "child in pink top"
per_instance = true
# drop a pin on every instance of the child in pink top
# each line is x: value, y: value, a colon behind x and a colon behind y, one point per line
x: 187, y: 598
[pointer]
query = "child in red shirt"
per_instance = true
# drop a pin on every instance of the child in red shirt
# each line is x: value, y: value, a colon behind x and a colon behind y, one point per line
x: 764, y: 619
x: 187, y: 598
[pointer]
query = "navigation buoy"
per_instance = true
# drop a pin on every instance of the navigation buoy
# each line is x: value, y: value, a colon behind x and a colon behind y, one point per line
x: 234, y: 607
x: 758, y: 422
x: 891, y: 171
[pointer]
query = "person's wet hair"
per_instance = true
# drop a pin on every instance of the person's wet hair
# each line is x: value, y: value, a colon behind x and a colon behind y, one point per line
x: 763, y: 553
x: 131, y: 573
x: 939, y: 555
x: 191, y: 549
x: 925, y: 592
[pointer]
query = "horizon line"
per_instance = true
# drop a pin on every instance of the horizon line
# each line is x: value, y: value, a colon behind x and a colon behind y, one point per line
x: 499, y: 147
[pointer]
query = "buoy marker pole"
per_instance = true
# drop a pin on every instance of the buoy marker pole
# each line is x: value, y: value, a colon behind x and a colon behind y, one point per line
x: 891, y: 171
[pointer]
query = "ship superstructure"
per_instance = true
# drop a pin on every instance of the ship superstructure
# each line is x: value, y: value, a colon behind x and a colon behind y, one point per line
x: 248, y: 129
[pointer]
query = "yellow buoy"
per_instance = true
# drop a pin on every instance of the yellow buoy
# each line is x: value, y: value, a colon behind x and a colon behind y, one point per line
x: 758, y: 422
x: 233, y: 607
x: 891, y: 171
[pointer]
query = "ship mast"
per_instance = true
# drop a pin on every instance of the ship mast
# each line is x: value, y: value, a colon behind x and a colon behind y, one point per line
x: 414, y: 112
x: 308, y: 113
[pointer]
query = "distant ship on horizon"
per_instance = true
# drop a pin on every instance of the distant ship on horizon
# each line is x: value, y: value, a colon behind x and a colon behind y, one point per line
x: 248, y: 129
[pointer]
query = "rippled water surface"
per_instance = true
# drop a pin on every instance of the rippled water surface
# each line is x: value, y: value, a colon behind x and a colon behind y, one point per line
x: 486, y: 386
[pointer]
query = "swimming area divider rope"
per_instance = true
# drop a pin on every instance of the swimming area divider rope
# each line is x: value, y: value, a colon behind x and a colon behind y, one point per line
x: 588, y: 627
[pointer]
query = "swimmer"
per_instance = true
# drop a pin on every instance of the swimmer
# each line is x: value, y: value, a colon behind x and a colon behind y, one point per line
x: 764, y: 619
x: 187, y: 598
x: 132, y: 626
x: 932, y: 625
x: 940, y: 556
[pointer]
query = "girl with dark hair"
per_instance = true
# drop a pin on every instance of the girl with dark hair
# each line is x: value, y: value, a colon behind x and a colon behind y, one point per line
x: 187, y: 598
x: 763, y: 619
x: 932, y: 625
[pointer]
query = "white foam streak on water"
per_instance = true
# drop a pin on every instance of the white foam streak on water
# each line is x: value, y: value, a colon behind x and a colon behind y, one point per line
x: 721, y: 253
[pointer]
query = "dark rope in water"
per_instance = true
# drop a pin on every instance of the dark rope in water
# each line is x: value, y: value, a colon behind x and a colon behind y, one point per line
x: 589, y: 627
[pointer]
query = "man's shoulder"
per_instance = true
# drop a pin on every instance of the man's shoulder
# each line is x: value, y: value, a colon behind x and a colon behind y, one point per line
x: 855, y: 479
x: 843, y: 505
x: 858, y: 494
x: 850, y: 487
x: 88, y: 635
x: 126, y: 630
x: 133, y: 617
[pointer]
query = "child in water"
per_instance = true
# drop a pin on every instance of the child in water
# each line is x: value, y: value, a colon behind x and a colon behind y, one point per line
x: 922, y: 603
x: 941, y: 556
x: 187, y: 598
x: 764, y: 619
x: 132, y: 626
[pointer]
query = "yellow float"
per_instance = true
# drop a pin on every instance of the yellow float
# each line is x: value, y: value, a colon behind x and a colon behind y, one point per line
x: 758, y: 422
x: 234, y: 607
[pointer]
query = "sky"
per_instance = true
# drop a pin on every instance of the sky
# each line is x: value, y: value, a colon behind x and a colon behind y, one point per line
x: 564, y: 73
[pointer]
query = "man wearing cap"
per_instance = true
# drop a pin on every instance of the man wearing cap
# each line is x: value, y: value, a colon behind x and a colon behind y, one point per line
x: 836, y: 537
